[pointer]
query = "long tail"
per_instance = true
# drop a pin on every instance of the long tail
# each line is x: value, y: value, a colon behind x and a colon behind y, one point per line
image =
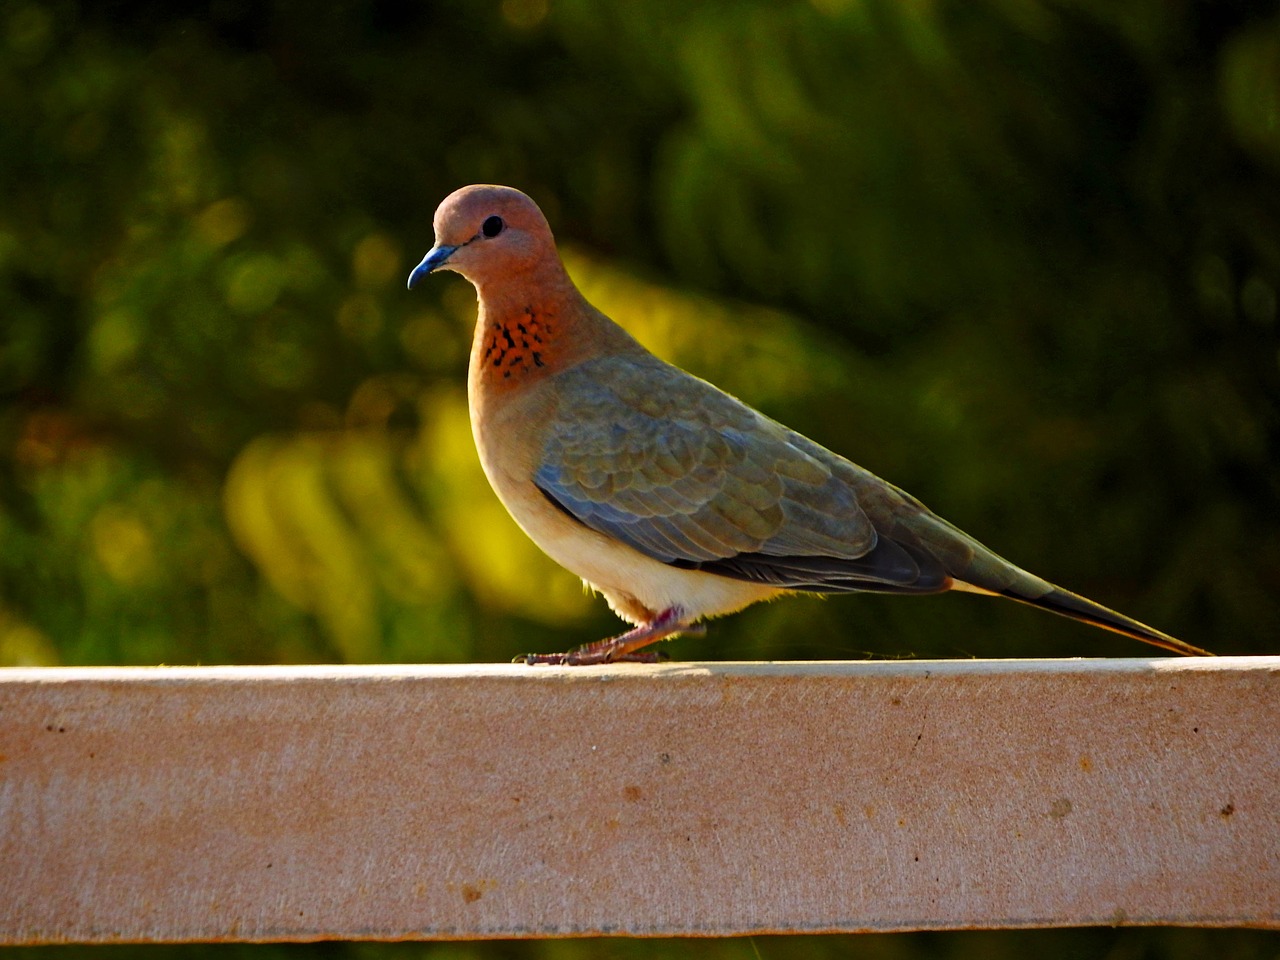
x: 1076, y: 607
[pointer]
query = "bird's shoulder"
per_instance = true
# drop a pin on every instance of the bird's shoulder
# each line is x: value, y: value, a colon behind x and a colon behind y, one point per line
x: 641, y: 387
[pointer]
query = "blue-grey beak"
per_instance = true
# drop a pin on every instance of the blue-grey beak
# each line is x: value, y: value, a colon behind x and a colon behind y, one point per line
x: 434, y: 259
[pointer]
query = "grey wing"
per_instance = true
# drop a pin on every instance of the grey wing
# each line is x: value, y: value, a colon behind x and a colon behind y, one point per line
x: 688, y: 475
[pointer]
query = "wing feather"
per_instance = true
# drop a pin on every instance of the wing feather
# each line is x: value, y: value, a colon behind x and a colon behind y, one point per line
x: 688, y: 475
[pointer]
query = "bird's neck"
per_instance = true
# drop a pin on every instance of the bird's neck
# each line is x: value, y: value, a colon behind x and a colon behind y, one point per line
x: 527, y: 332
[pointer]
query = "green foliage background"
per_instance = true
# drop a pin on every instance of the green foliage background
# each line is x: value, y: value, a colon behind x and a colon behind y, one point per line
x: 1021, y: 258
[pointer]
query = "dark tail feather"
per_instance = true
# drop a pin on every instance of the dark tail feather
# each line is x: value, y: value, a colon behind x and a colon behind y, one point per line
x: 1076, y: 607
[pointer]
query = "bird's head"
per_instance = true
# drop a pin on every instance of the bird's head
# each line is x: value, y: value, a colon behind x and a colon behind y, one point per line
x: 487, y: 232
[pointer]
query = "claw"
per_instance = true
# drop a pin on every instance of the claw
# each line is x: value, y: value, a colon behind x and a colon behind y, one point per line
x: 622, y: 648
x: 575, y: 658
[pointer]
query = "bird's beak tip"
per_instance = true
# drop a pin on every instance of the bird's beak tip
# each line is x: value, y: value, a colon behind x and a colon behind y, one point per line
x: 436, y: 258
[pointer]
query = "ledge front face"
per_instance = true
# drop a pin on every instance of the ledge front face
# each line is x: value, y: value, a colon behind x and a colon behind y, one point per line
x: 280, y: 803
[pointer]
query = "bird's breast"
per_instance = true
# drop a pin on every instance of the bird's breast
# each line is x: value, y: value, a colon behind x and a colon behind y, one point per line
x: 512, y: 350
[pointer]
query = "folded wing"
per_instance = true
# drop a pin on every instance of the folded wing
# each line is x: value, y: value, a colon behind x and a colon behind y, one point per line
x: 692, y: 477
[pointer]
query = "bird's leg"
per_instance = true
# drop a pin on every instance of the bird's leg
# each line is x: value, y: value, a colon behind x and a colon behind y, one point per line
x: 623, y: 647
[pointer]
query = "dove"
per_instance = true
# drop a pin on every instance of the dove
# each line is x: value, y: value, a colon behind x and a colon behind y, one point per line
x: 673, y: 499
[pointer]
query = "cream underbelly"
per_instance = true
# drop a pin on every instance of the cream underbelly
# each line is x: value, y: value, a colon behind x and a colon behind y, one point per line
x: 636, y: 586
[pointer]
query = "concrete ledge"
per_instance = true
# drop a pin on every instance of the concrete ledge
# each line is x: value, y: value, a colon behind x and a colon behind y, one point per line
x: 299, y: 803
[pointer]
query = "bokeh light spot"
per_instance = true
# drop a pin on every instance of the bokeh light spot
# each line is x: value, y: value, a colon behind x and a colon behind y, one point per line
x: 114, y: 340
x: 376, y: 261
x: 253, y: 283
x: 1250, y: 90
x: 223, y: 221
x: 22, y: 645
x: 122, y: 544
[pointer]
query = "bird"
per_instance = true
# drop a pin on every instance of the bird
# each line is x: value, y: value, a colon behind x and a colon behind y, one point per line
x: 673, y: 499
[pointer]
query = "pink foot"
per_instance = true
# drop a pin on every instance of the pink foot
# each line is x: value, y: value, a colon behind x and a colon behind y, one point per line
x: 623, y: 647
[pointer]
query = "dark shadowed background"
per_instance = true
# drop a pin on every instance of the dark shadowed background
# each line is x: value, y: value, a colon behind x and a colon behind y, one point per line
x: 1020, y: 258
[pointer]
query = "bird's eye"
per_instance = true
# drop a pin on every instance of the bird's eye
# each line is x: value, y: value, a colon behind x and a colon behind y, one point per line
x: 492, y: 227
